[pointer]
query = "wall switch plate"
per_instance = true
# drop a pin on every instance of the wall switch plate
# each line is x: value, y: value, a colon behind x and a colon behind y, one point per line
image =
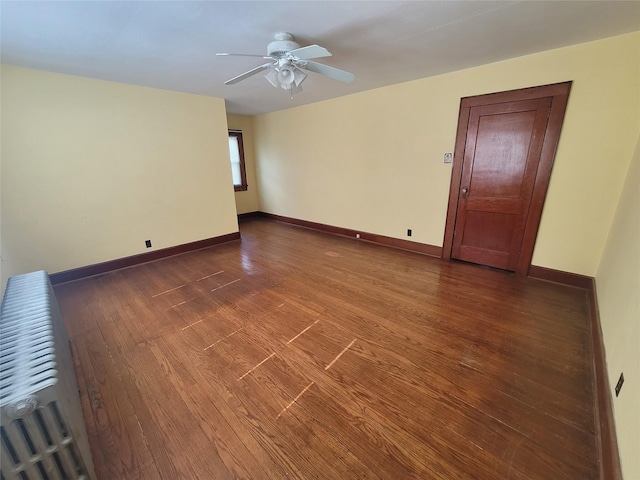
x: 448, y: 157
x: 619, y: 384
x: 147, y: 243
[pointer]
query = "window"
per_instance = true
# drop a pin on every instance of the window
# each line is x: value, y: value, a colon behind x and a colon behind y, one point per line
x: 236, y: 151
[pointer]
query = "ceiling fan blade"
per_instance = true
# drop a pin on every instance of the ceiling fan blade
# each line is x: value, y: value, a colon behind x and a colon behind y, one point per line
x: 248, y: 74
x: 312, y: 51
x: 240, y: 55
x: 328, y: 71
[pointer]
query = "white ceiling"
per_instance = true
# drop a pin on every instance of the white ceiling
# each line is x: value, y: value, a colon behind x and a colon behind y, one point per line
x: 172, y: 44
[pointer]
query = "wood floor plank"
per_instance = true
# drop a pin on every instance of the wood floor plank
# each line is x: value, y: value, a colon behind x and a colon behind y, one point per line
x: 159, y: 407
x: 113, y: 418
x: 232, y: 452
x: 217, y: 407
x: 297, y: 354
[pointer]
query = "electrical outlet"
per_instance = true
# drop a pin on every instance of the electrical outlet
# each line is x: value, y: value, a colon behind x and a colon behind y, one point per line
x: 147, y: 243
x: 448, y: 157
x: 408, y: 232
x: 619, y: 384
x: 357, y: 235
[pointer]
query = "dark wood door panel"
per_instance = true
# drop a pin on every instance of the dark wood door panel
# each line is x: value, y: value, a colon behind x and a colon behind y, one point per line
x: 489, y: 230
x: 491, y: 204
x: 499, y: 158
x: 488, y: 238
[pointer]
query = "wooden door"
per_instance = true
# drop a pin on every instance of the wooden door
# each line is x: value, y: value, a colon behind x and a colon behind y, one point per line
x: 504, y: 152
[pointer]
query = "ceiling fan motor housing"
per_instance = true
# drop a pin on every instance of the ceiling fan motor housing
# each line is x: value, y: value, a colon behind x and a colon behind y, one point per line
x: 282, y: 44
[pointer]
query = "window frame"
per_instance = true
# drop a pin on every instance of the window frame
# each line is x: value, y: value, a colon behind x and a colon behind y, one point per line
x: 243, y: 171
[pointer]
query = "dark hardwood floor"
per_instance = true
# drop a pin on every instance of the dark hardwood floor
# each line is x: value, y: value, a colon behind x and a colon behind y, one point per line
x: 298, y: 354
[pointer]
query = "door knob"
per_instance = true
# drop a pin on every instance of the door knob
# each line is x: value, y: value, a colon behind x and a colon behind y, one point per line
x: 464, y: 191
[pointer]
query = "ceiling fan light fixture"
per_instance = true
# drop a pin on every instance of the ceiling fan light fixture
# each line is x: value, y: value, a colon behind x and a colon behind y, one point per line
x: 286, y: 76
x: 298, y: 76
x: 290, y: 78
x: 272, y: 77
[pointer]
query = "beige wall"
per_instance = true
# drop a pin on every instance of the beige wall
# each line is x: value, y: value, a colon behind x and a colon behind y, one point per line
x: 373, y: 161
x: 246, y: 201
x: 618, y: 286
x: 91, y: 169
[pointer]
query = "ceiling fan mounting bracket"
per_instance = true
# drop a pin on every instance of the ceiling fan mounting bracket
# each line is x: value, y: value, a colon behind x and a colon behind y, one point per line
x: 282, y: 44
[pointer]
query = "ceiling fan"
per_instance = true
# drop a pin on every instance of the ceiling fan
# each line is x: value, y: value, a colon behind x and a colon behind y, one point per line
x: 287, y: 61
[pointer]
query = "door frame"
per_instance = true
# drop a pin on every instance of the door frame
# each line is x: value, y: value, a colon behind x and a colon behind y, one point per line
x: 559, y: 93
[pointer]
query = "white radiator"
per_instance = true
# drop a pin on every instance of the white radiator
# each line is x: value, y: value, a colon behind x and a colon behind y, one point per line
x: 43, y: 435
